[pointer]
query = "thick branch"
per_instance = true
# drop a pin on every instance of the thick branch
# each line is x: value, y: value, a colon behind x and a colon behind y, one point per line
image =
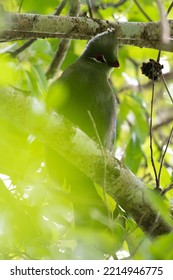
x: 52, y: 130
x: 30, y: 26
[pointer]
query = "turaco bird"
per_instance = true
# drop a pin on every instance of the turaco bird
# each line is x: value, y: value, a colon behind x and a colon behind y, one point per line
x: 83, y: 94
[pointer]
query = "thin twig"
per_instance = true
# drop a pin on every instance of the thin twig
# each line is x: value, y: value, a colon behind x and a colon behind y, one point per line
x: 151, y: 135
x: 63, y: 46
x: 163, y: 79
x: 169, y: 9
x: 169, y: 188
x: 163, y: 156
x: 142, y: 10
x: 60, y: 7
x: 163, y: 123
x: 31, y: 41
x: 89, y: 8
x: 112, y: 5
x: 159, y: 55
x: 121, y: 2
x: 20, y: 6
x: 23, y: 47
x: 58, y: 58
x: 157, y: 176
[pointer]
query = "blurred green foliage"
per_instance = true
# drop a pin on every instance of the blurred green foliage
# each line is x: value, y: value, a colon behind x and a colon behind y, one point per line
x: 36, y: 215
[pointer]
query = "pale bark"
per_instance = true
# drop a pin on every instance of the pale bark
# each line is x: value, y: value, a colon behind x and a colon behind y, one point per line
x: 15, y: 26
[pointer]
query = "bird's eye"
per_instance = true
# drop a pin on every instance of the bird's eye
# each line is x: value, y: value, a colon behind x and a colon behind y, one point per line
x: 100, y: 58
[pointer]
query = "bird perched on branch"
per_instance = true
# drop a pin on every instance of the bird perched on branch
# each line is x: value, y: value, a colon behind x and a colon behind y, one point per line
x: 83, y: 95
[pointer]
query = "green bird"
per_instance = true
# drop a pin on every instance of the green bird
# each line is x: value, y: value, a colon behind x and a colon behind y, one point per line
x: 83, y: 94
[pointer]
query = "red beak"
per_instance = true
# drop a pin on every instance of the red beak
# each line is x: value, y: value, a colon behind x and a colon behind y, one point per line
x: 114, y: 64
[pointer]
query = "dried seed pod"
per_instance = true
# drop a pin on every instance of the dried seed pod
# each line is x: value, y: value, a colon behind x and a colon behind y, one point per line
x: 152, y: 69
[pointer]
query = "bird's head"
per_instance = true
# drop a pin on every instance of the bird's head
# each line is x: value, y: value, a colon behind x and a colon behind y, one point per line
x: 103, y: 49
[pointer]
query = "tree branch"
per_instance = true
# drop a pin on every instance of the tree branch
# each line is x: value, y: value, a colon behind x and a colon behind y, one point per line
x: 63, y: 46
x: 31, y: 41
x: 59, y: 134
x: 30, y: 26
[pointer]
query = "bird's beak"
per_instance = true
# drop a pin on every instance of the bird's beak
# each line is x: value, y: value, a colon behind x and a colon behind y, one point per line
x: 114, y: 64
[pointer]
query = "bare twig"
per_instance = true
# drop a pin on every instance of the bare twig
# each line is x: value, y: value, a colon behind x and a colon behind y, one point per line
x: 63, y: 46
x: 163, y: 79
x: 58, y: 58
x: 163, y: 156
x: 170, y: 8
x: 169, y: 188
x: 159, y: 55
x: 121, y: 2
x: 112, y: 5
x: 23, y: 47
x: 60, y: 7
x: 142, y: 10
x: 20, y: 6
x: 31, y: 41
x: 165, y: 30
x: 151, y: 136
x: 163, y: 123
x: 89, y: 8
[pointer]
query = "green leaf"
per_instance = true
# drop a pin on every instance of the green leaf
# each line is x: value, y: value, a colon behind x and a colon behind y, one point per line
x: 110, y: 202
x: 161, y: 248
x: 160, y: 205
x: 134, y: 153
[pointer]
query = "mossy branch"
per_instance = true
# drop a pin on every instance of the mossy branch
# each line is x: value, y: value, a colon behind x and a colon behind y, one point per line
x: 30, y: 116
